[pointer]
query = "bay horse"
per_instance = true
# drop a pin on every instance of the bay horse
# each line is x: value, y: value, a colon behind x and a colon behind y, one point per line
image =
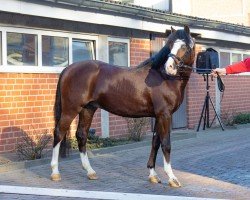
x: 155, y: 88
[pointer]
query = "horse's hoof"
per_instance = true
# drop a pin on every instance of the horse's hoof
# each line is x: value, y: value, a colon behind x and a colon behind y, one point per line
x: 174, y: 183
x: 154, y: 179
x: 55, y: 177
x: 92, y: 176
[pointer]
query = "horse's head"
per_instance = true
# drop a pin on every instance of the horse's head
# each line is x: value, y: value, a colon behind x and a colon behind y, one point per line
x: 182, y: 47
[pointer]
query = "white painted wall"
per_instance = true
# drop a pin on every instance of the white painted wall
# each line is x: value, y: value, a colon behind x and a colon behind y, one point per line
x: 156, y: 4
x: 181, y: 7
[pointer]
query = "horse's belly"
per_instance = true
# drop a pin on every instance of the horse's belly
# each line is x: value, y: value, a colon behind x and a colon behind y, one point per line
x: 123, y: 93
x: 127, y: 108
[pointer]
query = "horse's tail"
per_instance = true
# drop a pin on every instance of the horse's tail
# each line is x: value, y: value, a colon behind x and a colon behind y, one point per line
x: 58, y: 103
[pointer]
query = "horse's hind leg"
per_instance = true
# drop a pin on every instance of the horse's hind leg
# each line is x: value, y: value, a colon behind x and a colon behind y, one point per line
x: 59, y: 133
x: 85, y: 119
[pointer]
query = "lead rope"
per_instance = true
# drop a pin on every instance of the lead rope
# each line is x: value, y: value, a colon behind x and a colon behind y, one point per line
x: 221, y: 86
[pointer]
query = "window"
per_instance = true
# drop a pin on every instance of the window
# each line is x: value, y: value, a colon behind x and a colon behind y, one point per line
x: 236, y: 57
x: 55, y: 51
x: 246, y: 56
x: 21, y: 49
x: 82, y: 50
x: 228, y: 57
x: 118, y: 52
x: 27, y: 50
x: 224, y: 59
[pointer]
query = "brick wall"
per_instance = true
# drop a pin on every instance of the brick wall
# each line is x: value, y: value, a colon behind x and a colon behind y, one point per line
x: 26, y: 107
x: 139, y: 50
x: 26, y: 104
x: 236, y: 96
x: 196, y: 92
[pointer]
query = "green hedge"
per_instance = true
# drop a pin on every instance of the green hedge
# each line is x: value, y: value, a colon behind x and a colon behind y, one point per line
x: 242, y: 118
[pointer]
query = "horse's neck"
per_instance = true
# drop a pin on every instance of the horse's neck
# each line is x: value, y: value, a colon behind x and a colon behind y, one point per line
x: 180, y: 80
x: 184, y: 82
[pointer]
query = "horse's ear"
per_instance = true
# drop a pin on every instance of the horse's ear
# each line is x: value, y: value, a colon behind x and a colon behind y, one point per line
x: 172, y: 30
x: 186, y: 29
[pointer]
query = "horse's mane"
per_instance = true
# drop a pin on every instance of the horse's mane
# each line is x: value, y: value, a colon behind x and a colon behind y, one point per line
x: 159, y: 59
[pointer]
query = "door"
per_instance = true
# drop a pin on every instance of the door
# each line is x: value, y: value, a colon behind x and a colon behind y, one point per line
x: 179, y: 118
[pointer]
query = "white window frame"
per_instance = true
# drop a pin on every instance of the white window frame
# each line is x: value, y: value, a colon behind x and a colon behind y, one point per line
x: 39, y: 32
x: 122, y: 40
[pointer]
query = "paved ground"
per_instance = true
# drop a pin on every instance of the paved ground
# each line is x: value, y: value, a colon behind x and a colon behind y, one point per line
x: 214, y: 164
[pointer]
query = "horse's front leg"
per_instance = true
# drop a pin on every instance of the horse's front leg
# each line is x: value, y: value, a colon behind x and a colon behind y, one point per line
x: 153, y: 178
x: 163, y: 129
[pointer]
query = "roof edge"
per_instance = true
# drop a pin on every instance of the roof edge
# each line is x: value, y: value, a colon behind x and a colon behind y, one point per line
x: 148, y: 14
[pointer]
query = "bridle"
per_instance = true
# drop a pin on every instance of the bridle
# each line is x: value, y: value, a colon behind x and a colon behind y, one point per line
x: 179, y: 61
x: 180, y: 65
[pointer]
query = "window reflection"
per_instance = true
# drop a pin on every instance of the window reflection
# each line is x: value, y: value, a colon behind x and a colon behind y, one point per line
x: 236, y: 57
x: 246, y: 56
x: 224, y: 59
x: 118, y: 53
x: 55, y: 51
x: 82, y: 50
x: 21, y: 49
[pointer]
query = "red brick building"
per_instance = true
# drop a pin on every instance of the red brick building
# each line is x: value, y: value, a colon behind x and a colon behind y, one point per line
x: 40, y: 38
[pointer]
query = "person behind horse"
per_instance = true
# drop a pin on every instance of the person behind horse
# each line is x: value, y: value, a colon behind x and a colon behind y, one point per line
x: 242, y: 66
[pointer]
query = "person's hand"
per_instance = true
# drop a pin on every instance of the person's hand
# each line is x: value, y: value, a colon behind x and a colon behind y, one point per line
x: 218, y: 71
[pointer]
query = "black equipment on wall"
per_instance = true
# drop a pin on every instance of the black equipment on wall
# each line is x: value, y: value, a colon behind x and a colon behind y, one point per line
x: 206, y: 61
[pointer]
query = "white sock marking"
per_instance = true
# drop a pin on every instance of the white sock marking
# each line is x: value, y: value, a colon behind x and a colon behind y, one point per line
x: 85, y: 163
x: 168, y: 169
x: 54, y: 160
x: 152, y: 172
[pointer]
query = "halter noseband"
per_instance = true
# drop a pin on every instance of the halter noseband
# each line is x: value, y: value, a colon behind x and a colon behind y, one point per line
x: 179, y: 61
x: 180, y: 65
